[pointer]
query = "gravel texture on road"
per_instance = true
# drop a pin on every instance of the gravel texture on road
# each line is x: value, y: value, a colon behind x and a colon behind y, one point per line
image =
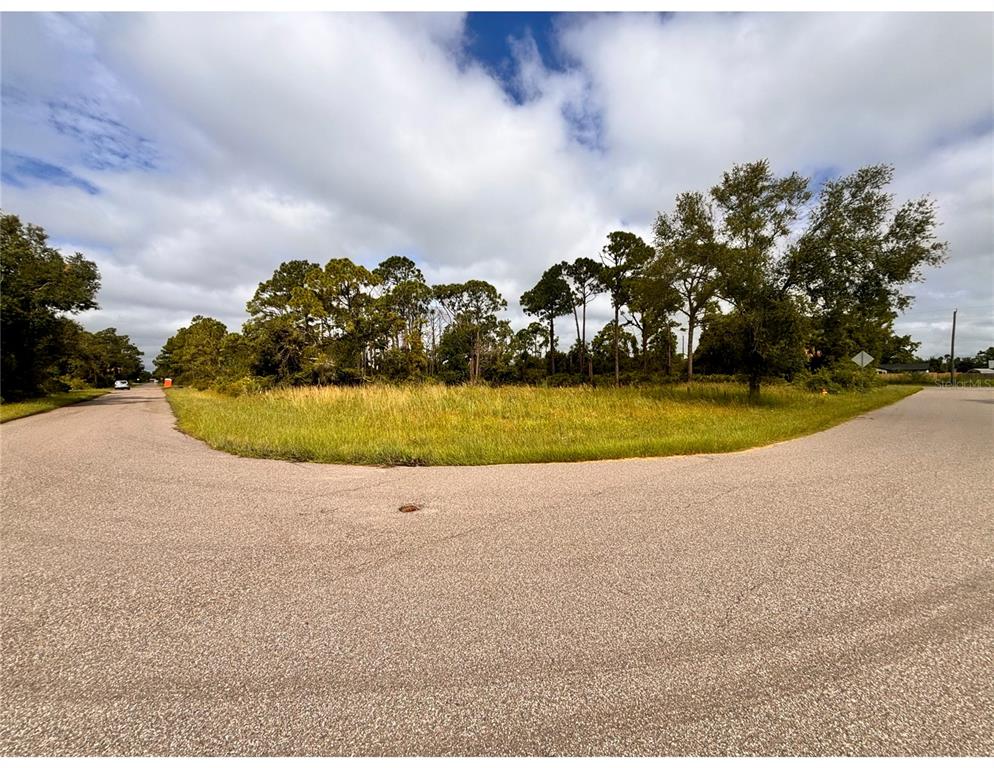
x: 828, y: 595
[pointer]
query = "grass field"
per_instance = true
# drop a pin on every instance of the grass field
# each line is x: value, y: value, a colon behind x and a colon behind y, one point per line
x: 390, y: 425
x: 10, y: 411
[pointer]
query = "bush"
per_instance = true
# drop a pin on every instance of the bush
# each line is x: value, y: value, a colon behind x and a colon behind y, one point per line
x: 246, y: 385
x: 841, y: 377
x: 74, y: 382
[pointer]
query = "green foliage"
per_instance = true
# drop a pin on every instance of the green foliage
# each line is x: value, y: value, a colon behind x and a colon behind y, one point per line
x: 688, y: 256
x: 773, y: 292
x: 840, y: 377
x: 613, y: 344
x: 583, y: 276
x: 471, y: 309
x: 759, y: 213
x: 100, y: 358
x: 856, y: 255
x: 38, y: 287
x: 550, y: 298
x: 194, y: 355
x: 622, y: 259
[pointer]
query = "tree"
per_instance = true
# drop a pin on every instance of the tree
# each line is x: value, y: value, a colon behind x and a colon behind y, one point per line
x: 403, y: 308
x: 471, y: 306
x: 109, y: 356
x: 532, y: 340
x: 624, y: 254
x: 611, y: 345
x: 759, y: 213
x: 856, y: 255
x: 652, y: 299
x: 584, y: 279
x: 899, y: 349
x: 687, y: 258
x: 38, y: 286
x: 280, y: 349
x: 274, y: 297
x: 280, y: 333
x: 549, y: 299
x: 194, y: 354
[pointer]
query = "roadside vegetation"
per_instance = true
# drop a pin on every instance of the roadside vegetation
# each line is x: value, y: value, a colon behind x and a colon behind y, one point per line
x: 772, y: 282
x: 764, y: 276
x: 42, y: 350
x: 21, y: 408
x: 436, y: 424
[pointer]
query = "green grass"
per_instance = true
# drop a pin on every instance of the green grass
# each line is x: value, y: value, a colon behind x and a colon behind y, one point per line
x: 389, y: 425
x: 22, y: 408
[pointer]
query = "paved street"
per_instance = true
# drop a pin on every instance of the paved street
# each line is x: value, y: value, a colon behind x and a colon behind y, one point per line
x: 828, y: 595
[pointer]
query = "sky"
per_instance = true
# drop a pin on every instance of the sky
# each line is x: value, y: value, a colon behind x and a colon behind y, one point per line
x: 189, y: 154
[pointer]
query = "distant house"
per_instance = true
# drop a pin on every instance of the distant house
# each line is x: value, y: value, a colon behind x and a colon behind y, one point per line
x: 902, y: 368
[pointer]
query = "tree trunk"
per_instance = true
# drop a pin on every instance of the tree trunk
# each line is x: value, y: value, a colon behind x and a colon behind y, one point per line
x: 576, y: 319
x: 753, y: 386
x: 645, y: 349
x: 690, y: 349
x: 617, y: 369
x: 552, y: 346
x: 669, y: 353
x: 476, y: 371
x: 583, y: 344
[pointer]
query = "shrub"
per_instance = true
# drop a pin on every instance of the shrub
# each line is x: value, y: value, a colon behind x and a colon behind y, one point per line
x: 843, y: 376
x: 246, y: 385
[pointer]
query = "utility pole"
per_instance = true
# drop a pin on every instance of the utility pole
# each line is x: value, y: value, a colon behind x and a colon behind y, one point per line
x: 952, y: 353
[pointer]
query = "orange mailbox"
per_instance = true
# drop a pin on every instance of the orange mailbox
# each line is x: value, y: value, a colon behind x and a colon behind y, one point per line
x: 166, y: 383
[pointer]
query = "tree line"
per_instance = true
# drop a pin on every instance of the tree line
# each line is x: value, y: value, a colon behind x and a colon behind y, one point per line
x: 774, y: 277
x: 42, y: 349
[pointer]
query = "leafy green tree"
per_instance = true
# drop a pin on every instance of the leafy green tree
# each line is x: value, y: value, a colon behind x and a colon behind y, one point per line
x: 549, y: 299
x: 622, y: 257
x: 194, y: 354
x: 613, y: 346
x: 237, y: 357
x: 280, y: 348
x: 472, y: 308
x: 760, y: 212
x: 275, y: 296
x: 584, y: 279
x: 281, y: 333
x: 532, y: 341
x: 899, y: 349
x: 403, y: 309
x: 38, y: 286
x: 652, y: 299
x: 856, y: 255
x: 687, y: 259
x: 102, y: 357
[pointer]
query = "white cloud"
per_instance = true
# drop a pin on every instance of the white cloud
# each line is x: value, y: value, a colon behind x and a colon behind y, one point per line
x: 317, y: 136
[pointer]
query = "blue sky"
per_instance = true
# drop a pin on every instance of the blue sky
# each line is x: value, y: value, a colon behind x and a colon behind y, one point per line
x: 190, y: 154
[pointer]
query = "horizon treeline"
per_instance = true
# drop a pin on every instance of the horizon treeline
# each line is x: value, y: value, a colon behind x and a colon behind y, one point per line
x: 775, y: 278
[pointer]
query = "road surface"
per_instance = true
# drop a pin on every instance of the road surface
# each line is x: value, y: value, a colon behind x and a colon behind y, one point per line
x: 828, y: 595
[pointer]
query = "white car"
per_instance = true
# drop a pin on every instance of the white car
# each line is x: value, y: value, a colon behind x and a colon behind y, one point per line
x: 122, y: 384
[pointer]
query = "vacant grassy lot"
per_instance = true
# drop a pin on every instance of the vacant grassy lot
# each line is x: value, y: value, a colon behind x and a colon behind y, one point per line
x: 479, y: 425
x: 9, y: 411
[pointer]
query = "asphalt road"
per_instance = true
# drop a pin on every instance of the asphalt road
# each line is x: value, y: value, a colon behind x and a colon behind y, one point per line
x: 829, y: 595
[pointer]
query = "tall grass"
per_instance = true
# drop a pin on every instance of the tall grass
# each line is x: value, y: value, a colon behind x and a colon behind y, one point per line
x: 22, y: 408
x: 415, y: 425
